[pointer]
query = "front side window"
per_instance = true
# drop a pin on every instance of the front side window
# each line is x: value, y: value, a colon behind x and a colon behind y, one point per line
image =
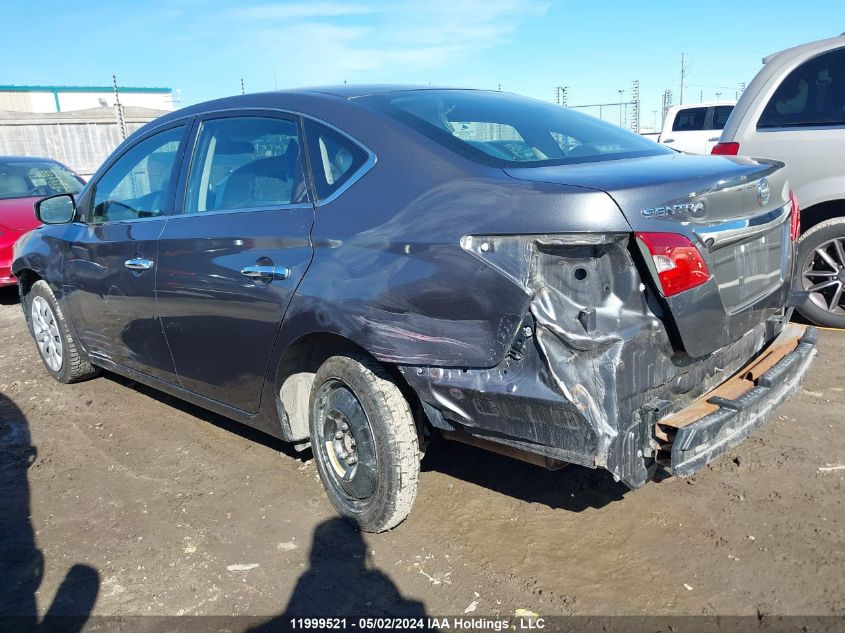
x: 139, y: 183
x: 35, y: 178
x: 812, y: 94
x: 506, y: 130
x: 334, y: 158
x: 246, y: 163
x: 689, y: 120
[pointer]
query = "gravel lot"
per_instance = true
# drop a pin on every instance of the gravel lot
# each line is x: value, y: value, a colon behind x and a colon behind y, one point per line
x: 140, y: 504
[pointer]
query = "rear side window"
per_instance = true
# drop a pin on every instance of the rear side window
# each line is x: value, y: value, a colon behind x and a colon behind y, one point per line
x: 720, y: 117
x: 246, y: 163
x: 689, y: 120
x: 334, y: 158
x: 812, y: 94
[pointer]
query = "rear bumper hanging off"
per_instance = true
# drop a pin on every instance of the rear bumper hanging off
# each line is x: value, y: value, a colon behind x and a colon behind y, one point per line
x: 725, y: 416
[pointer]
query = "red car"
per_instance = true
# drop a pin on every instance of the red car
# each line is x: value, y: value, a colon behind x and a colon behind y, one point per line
x: 23, y: 181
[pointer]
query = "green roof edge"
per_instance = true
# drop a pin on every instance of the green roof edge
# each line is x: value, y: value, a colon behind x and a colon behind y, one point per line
x: 136, y: 89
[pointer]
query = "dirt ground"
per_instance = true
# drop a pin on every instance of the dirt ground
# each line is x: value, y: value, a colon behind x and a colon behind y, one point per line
x: 140, y: 504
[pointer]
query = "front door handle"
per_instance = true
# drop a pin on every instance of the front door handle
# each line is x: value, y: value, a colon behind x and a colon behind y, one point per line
x: 137, y: 263
x: 266, y: 273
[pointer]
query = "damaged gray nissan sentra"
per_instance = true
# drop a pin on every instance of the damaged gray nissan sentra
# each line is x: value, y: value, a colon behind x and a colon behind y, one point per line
x: 355, y: 268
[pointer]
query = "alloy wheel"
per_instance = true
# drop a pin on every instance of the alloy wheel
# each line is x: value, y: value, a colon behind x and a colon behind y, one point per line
x: 823, y: 275
x: 48, y: 337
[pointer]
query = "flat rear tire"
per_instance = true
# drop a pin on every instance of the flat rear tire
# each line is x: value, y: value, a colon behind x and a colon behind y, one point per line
x: 364, y: 441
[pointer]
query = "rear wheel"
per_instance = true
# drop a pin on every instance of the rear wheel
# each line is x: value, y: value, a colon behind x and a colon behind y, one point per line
x: 53, y: 337
x: 821, y: 254
x: 364, y: 441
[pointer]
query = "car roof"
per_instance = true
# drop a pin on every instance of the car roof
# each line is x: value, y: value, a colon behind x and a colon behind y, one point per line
x: 301, y: 97
x: 702, y: 104
x: 351, y: 91
x: 806, y: 50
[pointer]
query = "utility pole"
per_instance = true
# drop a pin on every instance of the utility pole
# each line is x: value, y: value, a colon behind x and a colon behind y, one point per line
x: 275, y: 80
x: 621, y: 92
x: 683, y: 77
x: 635, y: 117
x: 667, y: 103
x: 560, y: 95
x: 242, y: 86
x: 701, y: 96
x: 121, y: 122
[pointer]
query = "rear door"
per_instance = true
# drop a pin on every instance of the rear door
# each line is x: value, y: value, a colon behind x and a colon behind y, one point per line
x: 717, y: 118
x: 688, y: 132
x: 232, y: 257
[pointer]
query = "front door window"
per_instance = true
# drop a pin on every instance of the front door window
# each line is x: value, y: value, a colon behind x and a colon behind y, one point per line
x: 139, y: 184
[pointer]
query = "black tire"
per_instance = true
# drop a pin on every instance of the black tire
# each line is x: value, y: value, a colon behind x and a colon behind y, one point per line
x: 377, y: 490
x: 822, y: 236
x: 72, y: 367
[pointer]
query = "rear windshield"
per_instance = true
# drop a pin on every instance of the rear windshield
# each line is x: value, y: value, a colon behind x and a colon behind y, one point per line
x: 507, y: 130
x: 31, y: 178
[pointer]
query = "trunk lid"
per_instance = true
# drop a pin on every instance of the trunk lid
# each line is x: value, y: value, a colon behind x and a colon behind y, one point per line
x: 736, y: 211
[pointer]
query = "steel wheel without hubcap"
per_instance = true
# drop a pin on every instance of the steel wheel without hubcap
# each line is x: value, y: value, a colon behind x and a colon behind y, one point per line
x: 346, y: 441
x: 823, y: 275
x: 45, y: 328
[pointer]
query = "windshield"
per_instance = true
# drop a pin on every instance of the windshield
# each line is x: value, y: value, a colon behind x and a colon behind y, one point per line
x: 507, y: 130
x: 35, y: 178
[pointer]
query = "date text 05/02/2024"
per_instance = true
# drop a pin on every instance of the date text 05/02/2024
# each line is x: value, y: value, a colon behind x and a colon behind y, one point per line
x: 445, y: 623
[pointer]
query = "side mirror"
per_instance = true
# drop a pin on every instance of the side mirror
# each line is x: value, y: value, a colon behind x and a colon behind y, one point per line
x: 58, y: 209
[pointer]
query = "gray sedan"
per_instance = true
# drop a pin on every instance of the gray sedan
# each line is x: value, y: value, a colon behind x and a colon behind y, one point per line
x: 357, y: 269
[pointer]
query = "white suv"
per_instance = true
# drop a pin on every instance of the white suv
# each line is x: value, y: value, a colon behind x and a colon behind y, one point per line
x: 794, y: 111
x: 695, y: 128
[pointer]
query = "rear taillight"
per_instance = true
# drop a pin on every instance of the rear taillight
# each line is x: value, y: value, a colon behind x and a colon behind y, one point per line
x: 795, y: 225
x: 725, y: 149
x: 679, y: 264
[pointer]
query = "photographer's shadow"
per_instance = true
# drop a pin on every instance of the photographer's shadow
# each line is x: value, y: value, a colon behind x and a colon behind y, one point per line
x: 338, y: 582
x: 21, y: 562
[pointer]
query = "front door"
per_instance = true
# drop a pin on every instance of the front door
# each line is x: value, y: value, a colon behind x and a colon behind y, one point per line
x: 230, y: 261
x: 111, y: 258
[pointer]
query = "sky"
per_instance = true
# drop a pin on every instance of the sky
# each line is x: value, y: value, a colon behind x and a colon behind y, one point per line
x: 203, y: 48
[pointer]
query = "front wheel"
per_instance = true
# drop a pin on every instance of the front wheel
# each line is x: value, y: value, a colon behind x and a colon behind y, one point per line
x: 53, y: 337
x: 821, y: 256
x: 365, y: 442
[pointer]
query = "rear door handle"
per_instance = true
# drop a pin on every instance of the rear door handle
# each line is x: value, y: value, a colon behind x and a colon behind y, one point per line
x: 266, y: 273
x: 137, y: 263
x: 711, y: 140
x: 668, y: 140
